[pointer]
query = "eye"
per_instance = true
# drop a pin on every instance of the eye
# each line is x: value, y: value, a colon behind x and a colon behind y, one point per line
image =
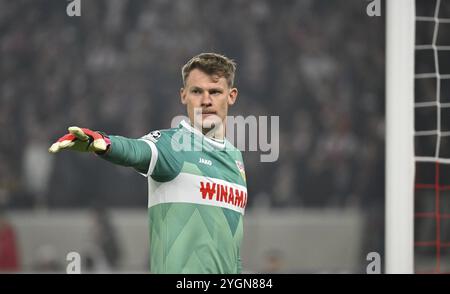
x: 215, y: 92
x: 196, y: 91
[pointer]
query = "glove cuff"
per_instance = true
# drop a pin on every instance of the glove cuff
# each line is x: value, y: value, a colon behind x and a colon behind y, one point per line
x: 107, y: 141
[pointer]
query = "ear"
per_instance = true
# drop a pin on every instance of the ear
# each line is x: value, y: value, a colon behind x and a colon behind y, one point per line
x: 232, y: 96
x: 183, y: 96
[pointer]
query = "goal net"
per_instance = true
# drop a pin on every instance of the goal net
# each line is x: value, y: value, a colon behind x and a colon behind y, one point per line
x: 432, y: 137
x: 417, y: 136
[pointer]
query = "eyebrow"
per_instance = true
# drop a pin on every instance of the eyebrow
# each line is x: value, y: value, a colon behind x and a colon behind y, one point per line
x: 216, y: 89
x: 210, y: 90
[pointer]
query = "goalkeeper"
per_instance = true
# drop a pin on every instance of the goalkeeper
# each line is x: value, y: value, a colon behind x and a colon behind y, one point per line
x: 196, y: 178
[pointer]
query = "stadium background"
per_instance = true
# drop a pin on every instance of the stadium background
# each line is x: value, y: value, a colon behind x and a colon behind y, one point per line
x: 318, y: 65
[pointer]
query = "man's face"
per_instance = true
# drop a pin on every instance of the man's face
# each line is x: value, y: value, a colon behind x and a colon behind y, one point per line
x: 207, y: 98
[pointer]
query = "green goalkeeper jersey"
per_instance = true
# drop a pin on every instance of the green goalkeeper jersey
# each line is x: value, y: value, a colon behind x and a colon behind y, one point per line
x: 197, y: 196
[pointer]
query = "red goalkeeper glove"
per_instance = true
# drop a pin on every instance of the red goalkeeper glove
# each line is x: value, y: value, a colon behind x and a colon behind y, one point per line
x: 83, y: 140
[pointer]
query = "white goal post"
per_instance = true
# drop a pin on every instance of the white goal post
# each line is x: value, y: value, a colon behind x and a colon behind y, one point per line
x: 400, y: 164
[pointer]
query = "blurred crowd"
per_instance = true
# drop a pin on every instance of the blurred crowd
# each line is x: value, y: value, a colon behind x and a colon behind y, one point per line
x: 318, y: 65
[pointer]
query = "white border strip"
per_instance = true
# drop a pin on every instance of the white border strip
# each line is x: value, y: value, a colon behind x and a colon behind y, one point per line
x: 185, y: 188
x: 153, y: 159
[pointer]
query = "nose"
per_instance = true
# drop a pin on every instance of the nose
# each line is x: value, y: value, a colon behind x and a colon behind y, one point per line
x: 206, y: 99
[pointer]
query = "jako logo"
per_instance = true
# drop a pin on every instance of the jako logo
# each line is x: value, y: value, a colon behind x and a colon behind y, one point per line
x: 374, y: 8
x: 205, y: 161
x: 74, y: 8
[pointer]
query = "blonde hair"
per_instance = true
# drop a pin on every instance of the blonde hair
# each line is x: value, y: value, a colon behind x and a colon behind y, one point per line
x: 211, y: 64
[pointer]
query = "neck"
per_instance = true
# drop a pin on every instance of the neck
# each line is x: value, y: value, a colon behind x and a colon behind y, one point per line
x: 215, y: 133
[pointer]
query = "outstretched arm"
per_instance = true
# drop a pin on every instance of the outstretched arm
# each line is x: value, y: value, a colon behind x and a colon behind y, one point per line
x: 129, y: 152
x: 116, y: 149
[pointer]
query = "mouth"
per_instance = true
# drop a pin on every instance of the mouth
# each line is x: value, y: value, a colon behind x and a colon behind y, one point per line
x: 208, y: 113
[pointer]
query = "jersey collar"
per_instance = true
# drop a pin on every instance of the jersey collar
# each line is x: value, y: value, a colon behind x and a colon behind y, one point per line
x: 215, y: 143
